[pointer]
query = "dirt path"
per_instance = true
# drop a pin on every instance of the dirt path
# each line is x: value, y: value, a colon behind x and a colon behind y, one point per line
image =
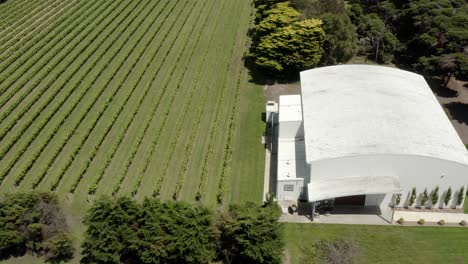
x: 455, y: 100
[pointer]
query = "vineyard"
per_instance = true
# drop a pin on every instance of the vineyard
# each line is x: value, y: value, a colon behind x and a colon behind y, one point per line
x: 138, y: 98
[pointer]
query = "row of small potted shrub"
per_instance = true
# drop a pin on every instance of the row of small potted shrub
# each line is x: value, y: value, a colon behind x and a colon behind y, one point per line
x: 421, y: 221
x: 433, y: 196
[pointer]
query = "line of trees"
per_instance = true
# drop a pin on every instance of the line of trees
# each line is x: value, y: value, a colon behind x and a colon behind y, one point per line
x: 124, y: 231
x: 433, y: 196
x: 427, y: 36
x: 33, y: 223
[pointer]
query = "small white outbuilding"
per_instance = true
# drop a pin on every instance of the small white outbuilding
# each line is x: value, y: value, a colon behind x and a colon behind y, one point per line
x: 369, y: 131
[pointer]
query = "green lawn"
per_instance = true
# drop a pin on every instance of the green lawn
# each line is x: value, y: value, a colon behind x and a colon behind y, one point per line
x: 386, y: 244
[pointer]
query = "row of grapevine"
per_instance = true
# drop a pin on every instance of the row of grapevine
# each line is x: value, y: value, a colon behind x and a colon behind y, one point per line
x: 226, y: 166
x: 78, y: 147
x: 85, y: 54
x: 17, y: 14
x: 37, y: 62
x: 196, y: 122
x: 41, y: 44
x: 52, y: 94
x: 92, y: 189
x: 40, y: 64
x: 85, y: 110
x: 38, y: 23
x: 213, y: 132
x: 171, y: 76
x: 32, y: 135
x: 164, y: 87
x: 116, y: 114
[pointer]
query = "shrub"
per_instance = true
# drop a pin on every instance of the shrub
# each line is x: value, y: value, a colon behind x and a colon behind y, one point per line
x: 435, y: 196
x: 33, y: 222
x: 448, y: 196
x: 401, y: 220
x: 398, y: 199
x: 463, y: 223
x: 421, y: 221
x: 460, y: 195
x: 424, y: 198
x: 412, y: 197
x: 441, y: 222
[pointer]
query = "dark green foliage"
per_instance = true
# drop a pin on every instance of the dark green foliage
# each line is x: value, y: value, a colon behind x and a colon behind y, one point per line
x: 316, y: 8
x: 460, y: 195
x: 122, y: 231
x: 424, y: 197
x: 435, y: 195
x: 412, y: 198
x: 109, y: 233
x: 398, y: 199
x: 448, y: 196
x: 340, y: 41
x: 375, y: 38
x: 251, y: 234
x: 33, y: 222
x: 432, y: 33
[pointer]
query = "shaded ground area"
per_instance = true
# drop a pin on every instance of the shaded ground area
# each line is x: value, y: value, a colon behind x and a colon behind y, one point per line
x: 455, y: 100
x: 272, y: 92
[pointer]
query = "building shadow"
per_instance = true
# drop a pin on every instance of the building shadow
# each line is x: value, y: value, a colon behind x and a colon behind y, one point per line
x: 458, y: 111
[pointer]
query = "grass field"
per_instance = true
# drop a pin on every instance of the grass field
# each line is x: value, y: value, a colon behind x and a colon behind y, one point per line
x: 144, y: 97
x: 385, y: 244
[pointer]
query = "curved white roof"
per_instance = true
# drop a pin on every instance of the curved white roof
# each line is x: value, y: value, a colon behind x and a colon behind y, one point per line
x: 361, y: 109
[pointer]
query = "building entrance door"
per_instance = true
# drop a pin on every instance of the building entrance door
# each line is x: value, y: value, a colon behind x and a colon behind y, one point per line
x: 351, y: 200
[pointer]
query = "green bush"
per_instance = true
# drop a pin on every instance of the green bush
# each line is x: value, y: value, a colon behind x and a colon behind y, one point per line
x: 401, y: 220
x: 441, y: 222
x: 421, y: 221
x: 448, y: 196
x: 412, y: 198
x: 33, y: 222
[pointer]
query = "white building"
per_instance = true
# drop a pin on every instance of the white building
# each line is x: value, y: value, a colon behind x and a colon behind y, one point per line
x: 369, y: 131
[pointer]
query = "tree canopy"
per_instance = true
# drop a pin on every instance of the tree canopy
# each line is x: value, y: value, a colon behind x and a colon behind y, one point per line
x: 33, y: 222
x: 123, y: 231
x: 250, y: 234
x: 292, y: 48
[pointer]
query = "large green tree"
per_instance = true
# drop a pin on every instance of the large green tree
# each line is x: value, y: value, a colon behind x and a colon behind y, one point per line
x: 280, y: 15
x: 33, y: 222
x: 292, y: 48
x: 341, y: 39
x: 251, y: 234
x: 375, y: 37
x: 122, y: 231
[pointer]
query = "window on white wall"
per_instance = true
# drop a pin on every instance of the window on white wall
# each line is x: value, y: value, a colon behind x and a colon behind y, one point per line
x: 289, y: 188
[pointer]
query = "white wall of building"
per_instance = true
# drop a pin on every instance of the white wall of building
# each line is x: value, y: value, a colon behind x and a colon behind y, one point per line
x: 291, y: 129
x: 412, y: 171
x: 289, y: 189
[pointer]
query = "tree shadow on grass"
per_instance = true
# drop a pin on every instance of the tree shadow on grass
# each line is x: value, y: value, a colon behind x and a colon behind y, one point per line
x: 261, y: 77
x: 458, y: 111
